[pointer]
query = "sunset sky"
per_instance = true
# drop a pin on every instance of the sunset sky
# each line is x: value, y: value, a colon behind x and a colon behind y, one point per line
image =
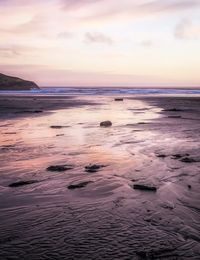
x: 101, y: 42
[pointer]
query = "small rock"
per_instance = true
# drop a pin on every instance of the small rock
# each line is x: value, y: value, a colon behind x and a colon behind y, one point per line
x: 179, y: 156
x: 56, y: 126
x: 22, y: 183
x: 106, y: 124
x: 119, y: 99
x: 173, y: 110
x: 144, y: 187
x: 93, y: 167
x: 37, y: 111
x: 79, y: 185
x: 187, y: 160
x: 161, y: 155
x: 59, y: 168
x: 147, y: 219
x: 189, y: 186
x: 29, y: 111
x: 133, y: 180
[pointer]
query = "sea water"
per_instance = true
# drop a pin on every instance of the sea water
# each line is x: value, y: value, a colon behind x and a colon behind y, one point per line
x: 107, y: 91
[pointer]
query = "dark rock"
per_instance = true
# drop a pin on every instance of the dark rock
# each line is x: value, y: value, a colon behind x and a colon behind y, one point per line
x: 59, y: 168
x: 144, y: 187
x: 60, y: 135
x: 133, y: 180
x: 142, y: 123
x: 28, y: 111
x: 22, y: 183
x: 79, y: 185
x: 58, y: 126
x: 119, y: 99
x: 37, y: 111
x: 188, y: 160
x: 189, y: 186
x: 179, y: 156
x: 135, y: 130
x: 106, y: 124
x: 147, y: 219
x: 13, y: 83
x: 161, y: 155
x: 93, y: 167
x: 173, y: 110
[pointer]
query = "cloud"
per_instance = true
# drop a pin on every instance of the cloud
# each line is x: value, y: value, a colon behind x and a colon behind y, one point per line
x: 102, y: 8
x: 38, y: 24
x: 15, y: 51
x: 42, y: 26
x: 65, y: 35
x: 21, y: 3
x: 78, y: 3
x: 97, y: 37
x: 173, y: 5
x: 8, y: 52
x: 107, y: 4
x: 187, y: 30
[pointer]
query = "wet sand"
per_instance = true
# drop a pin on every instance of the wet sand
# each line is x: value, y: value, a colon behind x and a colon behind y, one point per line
x: 76, y: 214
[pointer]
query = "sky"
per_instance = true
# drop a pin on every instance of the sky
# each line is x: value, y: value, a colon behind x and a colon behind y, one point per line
x: 124, y: 43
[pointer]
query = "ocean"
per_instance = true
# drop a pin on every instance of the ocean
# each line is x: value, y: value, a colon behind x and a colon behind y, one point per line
x: 103, y: 91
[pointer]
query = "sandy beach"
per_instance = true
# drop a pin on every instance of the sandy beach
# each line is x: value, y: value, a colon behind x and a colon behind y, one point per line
x: 106, y: 212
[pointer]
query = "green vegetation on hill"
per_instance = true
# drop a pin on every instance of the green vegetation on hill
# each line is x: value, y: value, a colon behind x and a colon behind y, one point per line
x: 13, y: 83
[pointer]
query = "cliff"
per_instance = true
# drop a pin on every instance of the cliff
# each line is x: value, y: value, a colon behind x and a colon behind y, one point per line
x: 13, y: 83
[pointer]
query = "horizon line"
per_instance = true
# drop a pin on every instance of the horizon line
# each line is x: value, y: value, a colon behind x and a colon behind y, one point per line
x: 127, y: 87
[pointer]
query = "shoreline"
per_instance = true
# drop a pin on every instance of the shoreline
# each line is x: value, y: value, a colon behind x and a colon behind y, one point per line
x: 21, y: 106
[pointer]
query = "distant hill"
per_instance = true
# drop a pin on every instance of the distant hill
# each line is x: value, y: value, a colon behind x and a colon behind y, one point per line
x: 13, y: 83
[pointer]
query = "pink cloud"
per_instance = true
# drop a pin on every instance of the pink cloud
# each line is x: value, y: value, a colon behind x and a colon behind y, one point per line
x: 187, y: 30
x: 78, y: 3
x: 97, y: 37
x: 101, y: 8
